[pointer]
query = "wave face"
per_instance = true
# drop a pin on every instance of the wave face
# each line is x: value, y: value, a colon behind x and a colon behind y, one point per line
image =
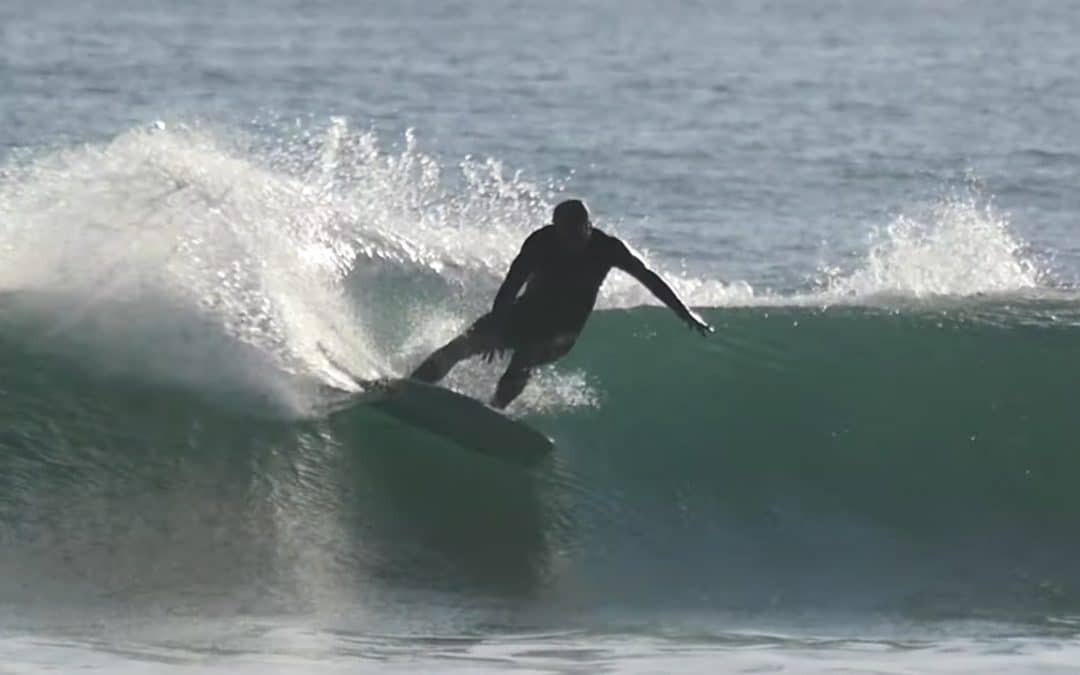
x: 855, y: 441
x: 843, y: 457
x: 177, y: 302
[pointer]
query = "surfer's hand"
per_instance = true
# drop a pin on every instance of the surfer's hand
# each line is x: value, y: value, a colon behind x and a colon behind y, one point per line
x: 695, y: 323
x: 490, y: 355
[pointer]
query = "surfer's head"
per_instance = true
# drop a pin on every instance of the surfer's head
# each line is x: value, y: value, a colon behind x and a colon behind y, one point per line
x: 571, y: 221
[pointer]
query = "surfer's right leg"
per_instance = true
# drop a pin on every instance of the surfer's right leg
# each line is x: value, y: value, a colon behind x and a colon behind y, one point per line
x: 480, y: 337
x: 436, y: 366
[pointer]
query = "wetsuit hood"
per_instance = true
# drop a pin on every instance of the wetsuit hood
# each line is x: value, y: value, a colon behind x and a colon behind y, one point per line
x: 573, y: 225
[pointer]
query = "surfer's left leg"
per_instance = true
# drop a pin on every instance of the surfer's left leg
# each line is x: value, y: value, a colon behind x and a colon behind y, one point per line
x: 514, y: 379
x: 517, y: 374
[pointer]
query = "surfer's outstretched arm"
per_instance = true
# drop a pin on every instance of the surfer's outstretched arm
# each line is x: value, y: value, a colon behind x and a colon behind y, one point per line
x: 635, y: 267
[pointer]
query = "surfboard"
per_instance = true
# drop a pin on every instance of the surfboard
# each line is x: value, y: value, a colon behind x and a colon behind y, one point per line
x: 462, y: 420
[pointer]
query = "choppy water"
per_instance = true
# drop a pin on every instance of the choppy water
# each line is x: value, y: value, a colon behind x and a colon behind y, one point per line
x: 206, y: 212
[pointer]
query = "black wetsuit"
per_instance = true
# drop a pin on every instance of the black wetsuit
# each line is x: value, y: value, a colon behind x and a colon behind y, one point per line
x: 560, y: 292
x: 541, y: 325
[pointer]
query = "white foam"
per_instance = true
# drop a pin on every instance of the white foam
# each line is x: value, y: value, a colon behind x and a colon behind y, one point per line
x: 958, y: 247
x: 169, y: 251
x: 168, y: 221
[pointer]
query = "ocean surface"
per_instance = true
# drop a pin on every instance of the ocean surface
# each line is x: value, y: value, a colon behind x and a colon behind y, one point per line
x: 215, y: 215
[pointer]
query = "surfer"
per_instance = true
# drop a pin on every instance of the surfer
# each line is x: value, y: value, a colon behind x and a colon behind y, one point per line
x: 562, y: 267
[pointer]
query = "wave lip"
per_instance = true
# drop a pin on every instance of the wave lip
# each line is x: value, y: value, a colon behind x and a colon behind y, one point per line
x: 324, y: 248
x: 955, y: 248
